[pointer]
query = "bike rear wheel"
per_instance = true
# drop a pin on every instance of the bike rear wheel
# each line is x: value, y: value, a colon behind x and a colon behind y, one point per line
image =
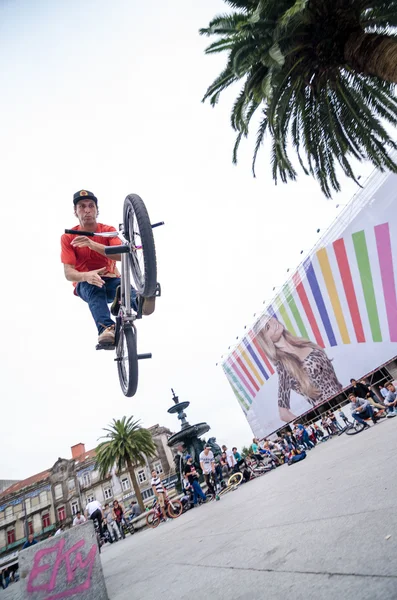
x: 174, y: 509
x: 127, y: 360
x: 152, y: 520
x: 138, y: 231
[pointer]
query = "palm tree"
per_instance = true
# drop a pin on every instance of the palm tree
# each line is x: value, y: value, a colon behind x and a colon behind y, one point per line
x: 321, y: 73
x: 126, y: 445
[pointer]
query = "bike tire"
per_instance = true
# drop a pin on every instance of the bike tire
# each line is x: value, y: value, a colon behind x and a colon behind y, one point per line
x: 138, y: 231
x: 152, y: 520
x: 174, y: 509
x: 354, y: 430
x: 127, y: 360
x: 235, y: 479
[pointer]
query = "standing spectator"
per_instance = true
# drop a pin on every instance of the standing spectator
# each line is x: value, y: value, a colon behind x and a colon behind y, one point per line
x: 304, y: 436
x: 334, y: 421
x: 4, y: 579
x: 111, y: 524
x: 159, y: 492
x: 383, y: 390
x: 93, y: 511
x: 60, y: 530
x: 192, y: 477
x: 231, y: 461
x: 29, y: 542
x: 391, y: 400
x: 118, y: 515
x: 79, y: 519
x: 360, y: 388
x: 207, y: 465
x: 325, y: 423
x: 343, y: 417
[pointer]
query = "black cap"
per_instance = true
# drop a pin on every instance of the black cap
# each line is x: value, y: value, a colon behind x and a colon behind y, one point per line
x: 84, y: 195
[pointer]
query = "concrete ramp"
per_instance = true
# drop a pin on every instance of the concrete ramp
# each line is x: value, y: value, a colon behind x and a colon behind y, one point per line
x: 64, y: 566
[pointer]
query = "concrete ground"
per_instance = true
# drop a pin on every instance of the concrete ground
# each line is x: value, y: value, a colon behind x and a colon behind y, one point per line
x: 314, y: 530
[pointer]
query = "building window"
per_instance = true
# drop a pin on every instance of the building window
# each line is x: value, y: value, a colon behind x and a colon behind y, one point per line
x: 10, y: 536
x: 71, y: 485
x: 43, y: 497
x: 61, y: 513
x: 125, y: 484
x: 90, y: 498
x: 108, y: 493
x: 158, y: 467
x: 30, y: 527
x: 147, y: 494
x: 27, y: 503
x: 9, y: 511
x: 58, y: 490
x: 46, y: 520
x: 142, y: 476
x: 86, y: 479
x: 75, y: 508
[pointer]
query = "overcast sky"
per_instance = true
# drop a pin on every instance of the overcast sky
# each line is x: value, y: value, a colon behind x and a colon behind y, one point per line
x: 107, y: 96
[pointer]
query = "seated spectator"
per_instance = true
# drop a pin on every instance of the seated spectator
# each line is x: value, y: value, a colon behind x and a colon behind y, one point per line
x: 362, y: 409
x: 304, y: 436
x: 135, y: 510
x: 383, y: 390
x: 239, y: 460
x: 391, y: 400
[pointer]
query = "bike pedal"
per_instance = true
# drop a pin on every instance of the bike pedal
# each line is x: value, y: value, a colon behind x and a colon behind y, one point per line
x: 143, y: 356
x: 105, y: 347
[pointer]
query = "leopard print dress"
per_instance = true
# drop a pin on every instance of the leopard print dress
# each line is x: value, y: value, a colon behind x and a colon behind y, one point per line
x: 321, y: 373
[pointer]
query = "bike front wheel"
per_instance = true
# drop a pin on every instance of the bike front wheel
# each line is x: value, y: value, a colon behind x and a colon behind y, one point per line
x: 138, y: 231
x: 354, y: 429
x: 235, y: 479
x: 174, y: 509
x: 152, y: 519
x: 127, y: 360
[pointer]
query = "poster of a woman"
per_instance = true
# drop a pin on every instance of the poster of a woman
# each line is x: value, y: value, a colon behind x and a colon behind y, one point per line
x: 301, y: 366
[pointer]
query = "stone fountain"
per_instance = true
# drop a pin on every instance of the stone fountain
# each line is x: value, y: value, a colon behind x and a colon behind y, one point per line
x: 187, y: 440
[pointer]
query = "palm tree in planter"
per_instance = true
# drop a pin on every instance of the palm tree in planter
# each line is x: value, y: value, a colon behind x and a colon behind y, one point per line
x: 320, y: 76
x: 126, y: 444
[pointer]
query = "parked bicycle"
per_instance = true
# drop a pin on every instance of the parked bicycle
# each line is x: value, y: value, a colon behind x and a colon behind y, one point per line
x: 173, y: 509
x: 138, y: 257
x: 357, y: 427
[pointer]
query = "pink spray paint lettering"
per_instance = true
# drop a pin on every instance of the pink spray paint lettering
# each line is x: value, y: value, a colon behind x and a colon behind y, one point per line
x: 73, y: 565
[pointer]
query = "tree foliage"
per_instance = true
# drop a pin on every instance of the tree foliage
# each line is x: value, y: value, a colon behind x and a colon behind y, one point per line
x: 319, y: 74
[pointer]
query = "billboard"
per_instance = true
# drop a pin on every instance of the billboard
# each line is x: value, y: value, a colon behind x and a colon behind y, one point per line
x: 333, y: 320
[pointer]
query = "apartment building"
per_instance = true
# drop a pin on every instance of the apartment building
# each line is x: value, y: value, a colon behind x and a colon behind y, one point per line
x: 40, y: 503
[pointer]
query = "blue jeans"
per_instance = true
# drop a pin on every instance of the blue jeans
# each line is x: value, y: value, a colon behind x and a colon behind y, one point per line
x: 99, y: 298
x: 365, y: 414
x: 197, y: 491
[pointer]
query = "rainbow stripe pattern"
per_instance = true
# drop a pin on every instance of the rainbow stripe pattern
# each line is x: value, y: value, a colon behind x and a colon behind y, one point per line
x: 344, y: 293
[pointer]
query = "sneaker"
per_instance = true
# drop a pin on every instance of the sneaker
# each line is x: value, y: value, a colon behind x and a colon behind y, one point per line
x: 107, y: 336
x: 148, y: 306
x: 367, y: 426
x: 391, y: 414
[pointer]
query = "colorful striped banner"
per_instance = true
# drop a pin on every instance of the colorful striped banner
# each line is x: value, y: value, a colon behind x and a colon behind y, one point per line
x: 308, y: 309
x: 324, y: 298
x: 319, y: 300
x: 364, y: 267
x: 383, y: 243
x: 348, y: 286
x: 325, y: 266
x: 294, y: 309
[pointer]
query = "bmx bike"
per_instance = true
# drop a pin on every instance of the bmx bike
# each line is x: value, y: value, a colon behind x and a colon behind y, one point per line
x: 173, y: 509
x: 357, y: 427
x: 138, y: 257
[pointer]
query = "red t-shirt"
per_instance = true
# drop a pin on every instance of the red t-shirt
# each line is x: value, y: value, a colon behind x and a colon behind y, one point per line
x: 84, y: 259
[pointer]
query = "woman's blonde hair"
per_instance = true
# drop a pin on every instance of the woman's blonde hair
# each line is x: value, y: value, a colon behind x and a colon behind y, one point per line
x: 291, y: 362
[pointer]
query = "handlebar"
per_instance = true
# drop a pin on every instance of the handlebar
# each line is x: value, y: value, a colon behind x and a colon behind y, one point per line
x: 116, y: 250
x: 75, y: 232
